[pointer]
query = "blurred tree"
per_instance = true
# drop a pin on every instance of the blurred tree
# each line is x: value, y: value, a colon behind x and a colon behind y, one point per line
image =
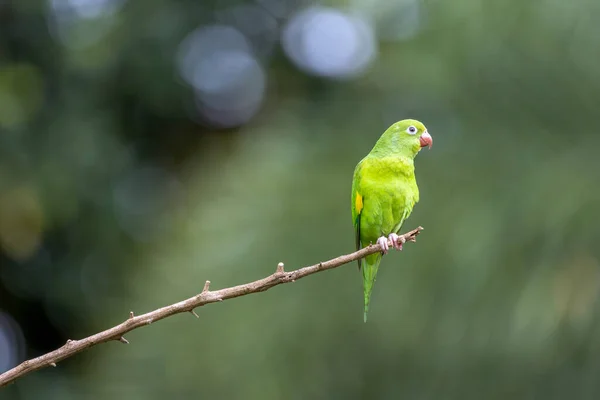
x: 138, y: 138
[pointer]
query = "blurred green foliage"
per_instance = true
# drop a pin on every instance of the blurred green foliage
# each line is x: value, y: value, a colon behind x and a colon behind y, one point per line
x: 115, y: 196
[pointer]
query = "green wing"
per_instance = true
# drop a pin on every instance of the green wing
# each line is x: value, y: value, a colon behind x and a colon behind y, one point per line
x: 357, y: 206
x: 405, y: 215
x: 409, y: 202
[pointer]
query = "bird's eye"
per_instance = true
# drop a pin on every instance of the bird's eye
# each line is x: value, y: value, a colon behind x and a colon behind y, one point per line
x: 411, y: 130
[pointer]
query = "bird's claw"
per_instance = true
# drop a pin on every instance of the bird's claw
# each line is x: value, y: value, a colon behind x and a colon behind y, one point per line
x: 383, y: 242
x: 397, y: 241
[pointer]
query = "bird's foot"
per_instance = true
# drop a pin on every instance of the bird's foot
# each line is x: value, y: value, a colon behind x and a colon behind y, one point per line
x: 383, y: 242
x: 397, y: 241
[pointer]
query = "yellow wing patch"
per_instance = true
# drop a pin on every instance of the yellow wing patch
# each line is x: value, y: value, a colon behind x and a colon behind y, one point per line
x: 358, y: 203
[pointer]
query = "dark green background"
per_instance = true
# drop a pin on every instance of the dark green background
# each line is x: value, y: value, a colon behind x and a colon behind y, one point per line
x: 113, y: 199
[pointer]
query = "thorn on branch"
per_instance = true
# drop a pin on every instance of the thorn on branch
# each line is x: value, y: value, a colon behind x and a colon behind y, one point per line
x: 413, y: 236
x: 206, y: 287
x: 131, y: 315
x: 279, y: 269
x: 69, y: 341
x: 123, y: 340
x: 194, y: 314
x: 53, y: 364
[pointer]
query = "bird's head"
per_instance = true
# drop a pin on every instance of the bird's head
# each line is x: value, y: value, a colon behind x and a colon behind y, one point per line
x: 406, y: 137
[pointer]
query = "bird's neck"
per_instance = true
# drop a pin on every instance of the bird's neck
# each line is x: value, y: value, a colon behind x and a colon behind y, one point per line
x: 397, y: 164
x: 385, y: 147
x: 404, y: 165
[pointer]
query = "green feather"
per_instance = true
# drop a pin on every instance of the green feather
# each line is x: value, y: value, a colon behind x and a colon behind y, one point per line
x: 369, y: 272
x: 384, y: 192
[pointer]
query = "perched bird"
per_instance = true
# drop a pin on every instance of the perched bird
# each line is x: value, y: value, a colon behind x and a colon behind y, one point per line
x: 384, y: 191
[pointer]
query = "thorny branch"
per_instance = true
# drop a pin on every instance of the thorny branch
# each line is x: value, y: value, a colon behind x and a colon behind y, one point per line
x: 207, y: 296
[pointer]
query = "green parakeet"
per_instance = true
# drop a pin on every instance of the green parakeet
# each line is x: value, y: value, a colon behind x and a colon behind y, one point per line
x: 384, y: 191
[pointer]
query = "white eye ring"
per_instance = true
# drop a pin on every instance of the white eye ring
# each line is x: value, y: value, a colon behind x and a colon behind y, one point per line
x: 411, y: 130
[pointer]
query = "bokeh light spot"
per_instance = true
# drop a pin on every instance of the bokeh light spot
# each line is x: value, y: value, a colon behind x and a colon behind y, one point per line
x: 329, y: 43
x: 204, y: 41
x: 79, y: 24
x: 229, y: 82
x: 12, y: 342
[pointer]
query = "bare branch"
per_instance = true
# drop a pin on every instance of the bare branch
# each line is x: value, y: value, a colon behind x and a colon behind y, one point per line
x: 116, y: 333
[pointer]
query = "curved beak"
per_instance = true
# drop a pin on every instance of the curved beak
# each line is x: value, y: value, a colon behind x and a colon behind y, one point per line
x: 426, y: 139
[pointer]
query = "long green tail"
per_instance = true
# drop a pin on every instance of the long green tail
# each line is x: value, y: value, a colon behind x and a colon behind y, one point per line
x: 369, y: 270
